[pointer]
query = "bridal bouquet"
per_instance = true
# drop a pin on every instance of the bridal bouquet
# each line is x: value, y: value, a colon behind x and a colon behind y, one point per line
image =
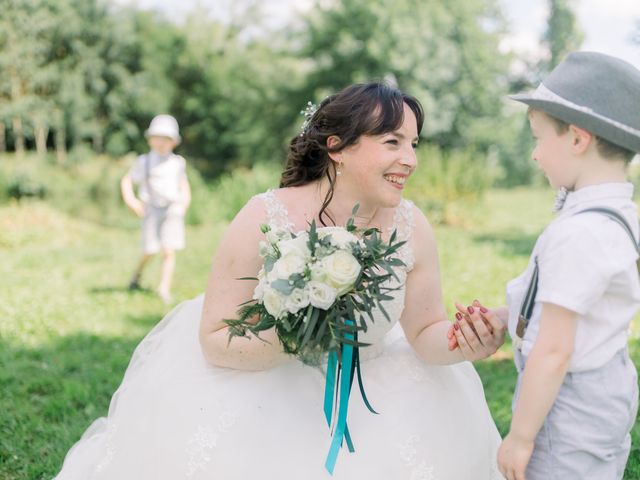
x: 318, y: 287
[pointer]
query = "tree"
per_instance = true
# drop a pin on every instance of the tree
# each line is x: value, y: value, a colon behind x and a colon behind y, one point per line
x: 443, y: 52
x: 563, y: 34
x: 24, y: 27
x: 231, y: 92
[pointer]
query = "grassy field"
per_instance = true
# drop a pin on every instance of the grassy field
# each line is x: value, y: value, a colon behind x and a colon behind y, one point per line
x: 68, y: 326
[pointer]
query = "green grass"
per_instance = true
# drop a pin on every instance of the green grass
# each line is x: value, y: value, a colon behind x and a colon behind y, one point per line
x: 68, y: 326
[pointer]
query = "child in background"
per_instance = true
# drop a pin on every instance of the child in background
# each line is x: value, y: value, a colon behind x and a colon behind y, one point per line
x: 163, y: 197
x: 569, y: 313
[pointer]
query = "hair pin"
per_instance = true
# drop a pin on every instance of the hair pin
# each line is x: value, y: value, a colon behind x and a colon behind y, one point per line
x: 308, y: 113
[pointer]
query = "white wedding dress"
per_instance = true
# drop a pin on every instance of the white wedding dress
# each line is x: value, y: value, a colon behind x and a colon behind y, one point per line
x: 176, y: 417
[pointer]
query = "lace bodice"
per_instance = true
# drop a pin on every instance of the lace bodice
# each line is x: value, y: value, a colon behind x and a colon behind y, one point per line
x: 278, y: 217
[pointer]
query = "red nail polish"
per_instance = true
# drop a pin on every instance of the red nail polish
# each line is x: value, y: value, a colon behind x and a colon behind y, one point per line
x: 470, y: 309
x: 456, y: 326
x: 483, y: 310
x: 459, y: 316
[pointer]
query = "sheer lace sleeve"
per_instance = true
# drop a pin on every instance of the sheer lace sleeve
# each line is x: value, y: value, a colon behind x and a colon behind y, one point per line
x: 277, y: 215
x: 403, y: 223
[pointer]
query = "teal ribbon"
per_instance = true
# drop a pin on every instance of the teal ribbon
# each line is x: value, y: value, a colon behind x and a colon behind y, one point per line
x: 341, y: 374
x: 344, y: 380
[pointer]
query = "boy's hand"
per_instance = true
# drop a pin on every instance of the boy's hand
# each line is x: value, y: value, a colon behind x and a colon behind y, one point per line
x: 137, y: 207
x: 513, y: 457
x: 478, y: 332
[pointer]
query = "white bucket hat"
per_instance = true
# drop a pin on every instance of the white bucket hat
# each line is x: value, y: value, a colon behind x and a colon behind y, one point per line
x: 163, y: 126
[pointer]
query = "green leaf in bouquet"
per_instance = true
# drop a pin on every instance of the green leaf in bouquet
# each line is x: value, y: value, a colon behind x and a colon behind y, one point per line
x: 383, y: 297
x: 269, y: 262
x: 353, y: 343
x: 286, y: 324
x: 301, y: 330
x: 370, y: 231
x: 310, y: 325
x: 369, y: 313
x: 395, y: 262
x: 322, y: 328
x: 391, y: 249
x: 384, y: 312
x: 236, y: 329
x: 241, y: 326
x: 297, y: 280
x: 313, y: 237
x: 363, y: 323
x: 247, y: 302
x: 282, y: 286
x: 249, y: 309
x: 353, y: 328
x: 248, y: 278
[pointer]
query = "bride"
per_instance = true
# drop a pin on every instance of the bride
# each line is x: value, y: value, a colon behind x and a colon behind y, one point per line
x: 194, y: 406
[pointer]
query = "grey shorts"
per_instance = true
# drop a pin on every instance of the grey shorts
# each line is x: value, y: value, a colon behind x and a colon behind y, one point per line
x: 586, y: 435
x: 162, y: 229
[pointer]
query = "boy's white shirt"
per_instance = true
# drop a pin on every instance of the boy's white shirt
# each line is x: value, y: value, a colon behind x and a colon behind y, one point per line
x: 587, y: 265
x: 165, y: 176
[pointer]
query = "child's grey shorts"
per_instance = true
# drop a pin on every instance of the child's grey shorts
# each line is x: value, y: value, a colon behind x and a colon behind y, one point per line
x: 586, y: 435
x: 162, y: 228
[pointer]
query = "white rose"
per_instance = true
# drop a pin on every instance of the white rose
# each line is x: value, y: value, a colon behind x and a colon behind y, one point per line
x: 339, y: 236
x: 277, y: 234
x: 341, y: 270
x: 288, y: 265
x: 273, y: 301
x: 321, y: 295
x: 295, y: 245
x: 298, y: 300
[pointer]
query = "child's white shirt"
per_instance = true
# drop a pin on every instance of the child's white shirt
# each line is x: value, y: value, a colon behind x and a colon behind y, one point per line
x: 587, y: 264
x: 165, y: 178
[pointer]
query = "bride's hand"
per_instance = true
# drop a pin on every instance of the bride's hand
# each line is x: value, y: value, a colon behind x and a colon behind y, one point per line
x: 478, y: 331
x: 462, y: 313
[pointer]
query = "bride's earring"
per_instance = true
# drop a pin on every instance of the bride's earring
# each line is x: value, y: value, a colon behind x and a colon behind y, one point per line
x: 339, y: 169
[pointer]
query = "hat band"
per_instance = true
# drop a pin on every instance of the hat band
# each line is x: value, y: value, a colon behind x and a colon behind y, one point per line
x: 543, y: 93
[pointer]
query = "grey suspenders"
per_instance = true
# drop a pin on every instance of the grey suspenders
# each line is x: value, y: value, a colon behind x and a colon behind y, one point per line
x: 526, y: 309
x: 147, y: 173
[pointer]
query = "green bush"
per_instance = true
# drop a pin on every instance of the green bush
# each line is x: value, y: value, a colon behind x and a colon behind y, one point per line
x: 23, y: 186
x: 231, y: 191
x: 447, y: 183
x: 88, y: 187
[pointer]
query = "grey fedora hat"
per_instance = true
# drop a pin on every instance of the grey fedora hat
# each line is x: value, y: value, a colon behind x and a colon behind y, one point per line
x: 593, y: 91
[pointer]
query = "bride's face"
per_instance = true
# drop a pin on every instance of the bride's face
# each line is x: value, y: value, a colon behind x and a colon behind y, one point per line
x: 376, y: 168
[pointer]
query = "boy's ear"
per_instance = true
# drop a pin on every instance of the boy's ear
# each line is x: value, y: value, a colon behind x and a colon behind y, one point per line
x: 580, y: 139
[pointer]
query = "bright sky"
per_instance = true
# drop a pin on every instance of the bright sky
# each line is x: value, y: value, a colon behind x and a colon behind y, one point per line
x: 608, y: 25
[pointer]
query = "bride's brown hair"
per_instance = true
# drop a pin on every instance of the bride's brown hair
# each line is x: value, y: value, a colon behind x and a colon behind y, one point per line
x: 360, y: 109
